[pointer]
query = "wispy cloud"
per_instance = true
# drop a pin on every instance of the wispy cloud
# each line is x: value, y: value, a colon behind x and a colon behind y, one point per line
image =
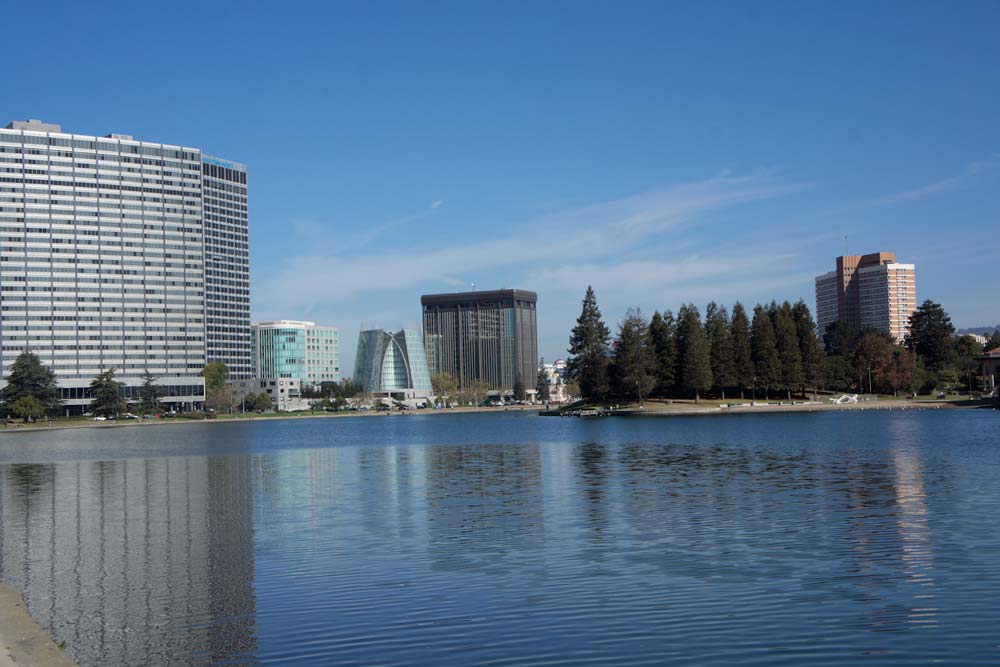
x: 973, y: 173
x: 601, y: 234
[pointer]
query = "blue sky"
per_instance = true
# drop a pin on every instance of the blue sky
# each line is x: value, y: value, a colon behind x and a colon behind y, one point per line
x: 662, y: 152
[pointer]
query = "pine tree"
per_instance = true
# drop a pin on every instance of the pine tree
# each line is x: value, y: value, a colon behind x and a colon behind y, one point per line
x: 720, y: 346
x: 633, y: 365
x: 662, y: 340
x: 150, y: 393
x: 29, y: 377
x: 692, y: 348
x: 743, y: 369
x: 809, y: 347
x: 107, y: 395
x: 520, y: 393
x: 787, y: 342
x: 764, y: 351
x: 588, y: 348
x: 930, y: 334
x: 542, y: 384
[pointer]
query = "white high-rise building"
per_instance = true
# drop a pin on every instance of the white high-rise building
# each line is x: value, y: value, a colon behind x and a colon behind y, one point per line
x: 125, y: 254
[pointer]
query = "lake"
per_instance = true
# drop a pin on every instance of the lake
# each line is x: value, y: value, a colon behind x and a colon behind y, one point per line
x: 512, y: 539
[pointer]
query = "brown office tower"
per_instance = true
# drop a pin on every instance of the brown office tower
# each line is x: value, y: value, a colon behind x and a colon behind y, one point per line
x: 490, y: 337
x: 868, y: 292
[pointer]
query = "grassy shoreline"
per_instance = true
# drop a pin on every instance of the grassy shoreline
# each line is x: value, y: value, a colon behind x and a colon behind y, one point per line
x: 64, y: 423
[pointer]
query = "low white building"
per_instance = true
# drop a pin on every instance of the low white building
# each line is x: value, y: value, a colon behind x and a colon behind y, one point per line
x: 285, y: 393
x: 558, y: 377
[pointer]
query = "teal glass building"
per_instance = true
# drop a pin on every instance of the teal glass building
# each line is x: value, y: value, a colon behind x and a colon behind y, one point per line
x: 294, y: 349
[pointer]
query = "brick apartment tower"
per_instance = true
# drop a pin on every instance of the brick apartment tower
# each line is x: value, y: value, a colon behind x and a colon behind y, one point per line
x: 868, y: 292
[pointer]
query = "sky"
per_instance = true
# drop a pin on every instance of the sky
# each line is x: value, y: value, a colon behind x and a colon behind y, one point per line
x: 662, y: 152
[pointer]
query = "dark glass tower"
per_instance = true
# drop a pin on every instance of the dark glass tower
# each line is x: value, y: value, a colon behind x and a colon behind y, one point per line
x: 490, y: 337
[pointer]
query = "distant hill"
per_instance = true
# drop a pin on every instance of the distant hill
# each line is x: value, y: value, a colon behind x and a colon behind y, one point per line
x: 978, y: 330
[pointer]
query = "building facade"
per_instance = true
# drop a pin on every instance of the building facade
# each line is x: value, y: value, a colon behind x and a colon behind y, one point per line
x: 296, y: 349
x: 119, y: 253
x: 887, y: 297
x: 867, y: 292
x: 392, y: 364
x: 489, y: 337
x: 285, y: 393
x: 227, y: 265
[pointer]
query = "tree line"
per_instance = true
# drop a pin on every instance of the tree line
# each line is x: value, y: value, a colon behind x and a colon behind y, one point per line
x: 776, y: 348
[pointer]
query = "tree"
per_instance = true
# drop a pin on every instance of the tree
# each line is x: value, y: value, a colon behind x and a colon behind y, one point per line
x: 633, y: 365
x: 764, y: 350
x: 520, y: 393
x: 809, y: 347
x: 966, y: 353
x: 222, y: 400
x: 445, y: 386
x: 149, y: 394
x: 743, y: 369
x: 29, y: 377
x: 248, y: 401
x: 216, y: 375
x: 542, y: 384
x: 787, y: 343
x: 994, y: 341
x: 107, y: 395
x: 720, y: 347
x: 588, y: 348
x: 262, y: 402
x: 930, y: 334
x: 663, y: 343
x: 839, y: 338
x: 695, y: 364
x: 872, y: 356
x: 898, y: 374
x: 837, y: 373
x: 28, y: 408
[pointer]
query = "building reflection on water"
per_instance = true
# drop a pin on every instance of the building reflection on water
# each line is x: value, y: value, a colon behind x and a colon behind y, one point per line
x: 135, y: 562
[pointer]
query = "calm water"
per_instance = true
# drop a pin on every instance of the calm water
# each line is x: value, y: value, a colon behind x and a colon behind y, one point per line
x: 510, y: 539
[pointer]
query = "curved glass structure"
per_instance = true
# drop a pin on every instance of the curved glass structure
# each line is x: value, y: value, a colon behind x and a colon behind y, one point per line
x: 392, y: 363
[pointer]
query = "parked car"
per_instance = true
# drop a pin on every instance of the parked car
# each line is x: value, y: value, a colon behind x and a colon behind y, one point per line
x: 100, y: 419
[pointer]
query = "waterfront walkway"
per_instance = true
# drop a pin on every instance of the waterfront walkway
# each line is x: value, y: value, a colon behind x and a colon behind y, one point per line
x: 22, y: 642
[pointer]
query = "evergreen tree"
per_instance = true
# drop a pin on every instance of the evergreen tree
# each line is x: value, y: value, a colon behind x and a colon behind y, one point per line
x: 107, y: 394
x: 809, y: 347
x: 633, y: 364
x: 662, y: 340
x: 720, y: 346
x: 28, y: 377
x: 930, y: 334
x: 743, y: 369
x: 520, y: 393
x: 542, y: 384
x: 150, y: 394
x: 787, y: 343
x: 692, y: 350
x: 764, y: 350
x: 839, y: 339
x: 588, y: 349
